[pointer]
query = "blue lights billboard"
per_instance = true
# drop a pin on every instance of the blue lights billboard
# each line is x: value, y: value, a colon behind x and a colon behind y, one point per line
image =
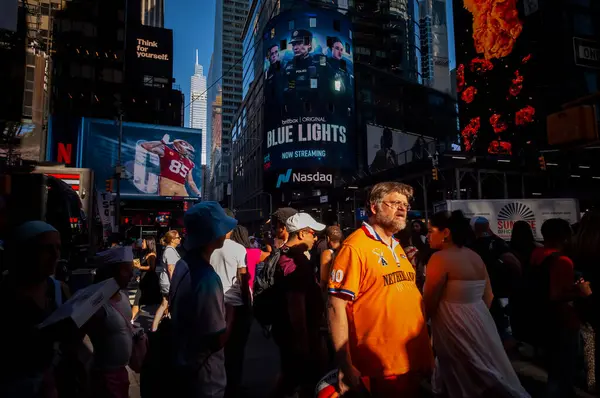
x: 309, y: 96
x: 158, y: 161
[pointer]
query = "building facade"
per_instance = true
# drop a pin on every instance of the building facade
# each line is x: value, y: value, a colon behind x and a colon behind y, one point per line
x: 386, y: 69
x: 226, y: 64
x: 153, y: 13
x: 198, y: 96
x: 106, y: 68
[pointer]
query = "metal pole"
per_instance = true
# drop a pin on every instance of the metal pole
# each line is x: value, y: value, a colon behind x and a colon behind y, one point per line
x: 354, y: 207
x: 457, y: 182
x: 425, y: 199
x: 270, y: 203
x: 118, y: 174
x: 479, y: 190
x: 505, y: 186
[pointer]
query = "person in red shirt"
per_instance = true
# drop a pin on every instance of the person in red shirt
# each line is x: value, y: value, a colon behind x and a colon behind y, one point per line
x: 561, y: 323
x: 175, y: 166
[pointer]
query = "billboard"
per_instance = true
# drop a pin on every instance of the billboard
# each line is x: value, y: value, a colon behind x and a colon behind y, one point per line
x: 150, y: 51
x: 309, y: 94
x: 159, y: 161
x: 388, y: 148
x: 495, y: 85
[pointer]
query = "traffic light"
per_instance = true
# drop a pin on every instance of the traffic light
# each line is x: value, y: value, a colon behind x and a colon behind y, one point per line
x: 109, y: 185
x: 434, y: 173
x: 542, y: 162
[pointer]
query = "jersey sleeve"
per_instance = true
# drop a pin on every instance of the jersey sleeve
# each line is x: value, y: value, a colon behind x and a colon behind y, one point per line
x: 345, y: 273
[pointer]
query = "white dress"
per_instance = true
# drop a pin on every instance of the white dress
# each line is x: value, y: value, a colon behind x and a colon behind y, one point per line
x: 471, y: 360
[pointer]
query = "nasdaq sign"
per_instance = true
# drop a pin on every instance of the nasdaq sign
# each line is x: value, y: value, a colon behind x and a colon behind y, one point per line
x: 304, y: 177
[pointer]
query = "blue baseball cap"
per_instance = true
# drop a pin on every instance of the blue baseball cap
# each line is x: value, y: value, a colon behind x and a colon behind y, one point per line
x: 32, y: 229
x: 205, y: 222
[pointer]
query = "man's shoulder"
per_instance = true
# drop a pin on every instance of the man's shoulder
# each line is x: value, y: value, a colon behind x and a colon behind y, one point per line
x: 358, y: 240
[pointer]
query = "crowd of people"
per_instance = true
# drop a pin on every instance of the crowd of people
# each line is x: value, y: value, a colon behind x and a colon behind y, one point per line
x: 391, y: 307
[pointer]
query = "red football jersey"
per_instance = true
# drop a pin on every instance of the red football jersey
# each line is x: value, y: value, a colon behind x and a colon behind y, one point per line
x: 174, y: 166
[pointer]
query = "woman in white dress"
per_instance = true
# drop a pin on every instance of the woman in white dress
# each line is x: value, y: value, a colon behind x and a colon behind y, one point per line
x: 471, y: 361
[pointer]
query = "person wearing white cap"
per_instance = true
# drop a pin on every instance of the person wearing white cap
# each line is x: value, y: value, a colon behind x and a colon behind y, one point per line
x: 197, y: 306
x: 109, y: 329
x: 297, y: 321
x: 28, y: 295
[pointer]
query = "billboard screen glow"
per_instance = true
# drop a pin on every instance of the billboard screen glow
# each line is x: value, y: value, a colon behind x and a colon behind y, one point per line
x: 309, y: 92
x: 159, y: 161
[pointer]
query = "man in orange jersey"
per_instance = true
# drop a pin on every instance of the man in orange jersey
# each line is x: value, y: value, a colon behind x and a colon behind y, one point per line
x: 375, y: 309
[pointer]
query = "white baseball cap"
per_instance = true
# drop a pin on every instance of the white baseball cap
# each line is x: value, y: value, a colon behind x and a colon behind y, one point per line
x: 303, y: 220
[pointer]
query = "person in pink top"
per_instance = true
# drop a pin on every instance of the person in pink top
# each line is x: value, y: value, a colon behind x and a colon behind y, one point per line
x: 253, y: 255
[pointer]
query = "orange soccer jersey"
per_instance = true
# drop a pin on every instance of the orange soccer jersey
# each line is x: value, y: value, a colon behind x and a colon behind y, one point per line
x: 387, y: 330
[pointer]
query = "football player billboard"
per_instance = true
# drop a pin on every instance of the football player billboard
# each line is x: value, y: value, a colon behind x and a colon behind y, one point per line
x: 158, y: 161
x: 309, y: 92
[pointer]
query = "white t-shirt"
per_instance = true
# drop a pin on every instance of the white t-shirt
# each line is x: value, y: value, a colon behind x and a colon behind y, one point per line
x: 226, y: 262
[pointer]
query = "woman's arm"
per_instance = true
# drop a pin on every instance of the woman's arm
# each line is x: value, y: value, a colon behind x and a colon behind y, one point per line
x: 435, y: 281
x: 264, y: 256
x: 325, y: 269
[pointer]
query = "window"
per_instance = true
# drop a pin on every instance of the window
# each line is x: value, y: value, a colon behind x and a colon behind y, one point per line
x: 86, y: 71
x: 313, y: 22
x: 29, y: 73
x: 291, y: 24
x: 313, y: 83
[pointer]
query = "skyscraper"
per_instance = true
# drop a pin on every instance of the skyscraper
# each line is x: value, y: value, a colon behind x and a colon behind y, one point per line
x: 230, y: 16
x: 153, y: 13
x: 198, y: 105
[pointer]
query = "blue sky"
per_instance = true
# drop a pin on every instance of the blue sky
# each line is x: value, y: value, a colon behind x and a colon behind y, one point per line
x: 193, y: 23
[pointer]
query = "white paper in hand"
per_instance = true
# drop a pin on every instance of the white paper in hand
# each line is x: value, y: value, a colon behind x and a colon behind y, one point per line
x: 84, y: 303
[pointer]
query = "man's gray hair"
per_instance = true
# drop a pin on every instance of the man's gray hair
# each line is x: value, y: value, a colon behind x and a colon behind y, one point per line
x: 379, y: 191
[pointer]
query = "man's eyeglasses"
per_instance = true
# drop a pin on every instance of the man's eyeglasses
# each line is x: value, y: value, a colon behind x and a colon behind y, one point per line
x: 397, y: 205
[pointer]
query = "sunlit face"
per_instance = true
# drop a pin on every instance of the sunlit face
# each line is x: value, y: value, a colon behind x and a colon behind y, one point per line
x: 436, y: 237
x: 308, y: 237
x: 300, y: 49
x: 337, y: 50
x: 334, y: 245
x: 390, y: 213
x: 274, y: 54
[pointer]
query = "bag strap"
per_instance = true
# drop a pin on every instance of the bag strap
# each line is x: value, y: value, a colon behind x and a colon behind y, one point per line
x: 128, y: 323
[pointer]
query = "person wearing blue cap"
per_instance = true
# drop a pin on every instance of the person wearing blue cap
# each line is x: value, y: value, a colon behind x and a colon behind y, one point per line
x: 197, y: 306
x: 29, y: 295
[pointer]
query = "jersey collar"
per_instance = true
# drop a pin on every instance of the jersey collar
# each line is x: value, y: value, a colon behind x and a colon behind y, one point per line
x: 371, y: 233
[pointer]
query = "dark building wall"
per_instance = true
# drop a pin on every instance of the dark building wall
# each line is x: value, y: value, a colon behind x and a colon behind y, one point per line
x: 93, y: 77
x: 12, y: 71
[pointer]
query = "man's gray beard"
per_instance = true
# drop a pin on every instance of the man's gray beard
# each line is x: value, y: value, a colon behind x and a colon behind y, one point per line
x: 389, y: 224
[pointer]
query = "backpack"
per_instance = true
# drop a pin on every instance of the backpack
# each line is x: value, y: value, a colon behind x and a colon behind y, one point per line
x: 264, y: 293
x: 530, y: 303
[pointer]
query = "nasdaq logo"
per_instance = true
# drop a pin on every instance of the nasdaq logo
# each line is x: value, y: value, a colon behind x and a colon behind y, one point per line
x: 302, y: 177
x: 284, y: 178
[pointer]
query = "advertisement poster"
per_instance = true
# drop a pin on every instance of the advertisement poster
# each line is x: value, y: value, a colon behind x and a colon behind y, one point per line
x: 388, y: 148
x: 158, y: 161
x: 496, y: 86
x: 309, y: 93
x: 106, y: 211
x: 502, y: 214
